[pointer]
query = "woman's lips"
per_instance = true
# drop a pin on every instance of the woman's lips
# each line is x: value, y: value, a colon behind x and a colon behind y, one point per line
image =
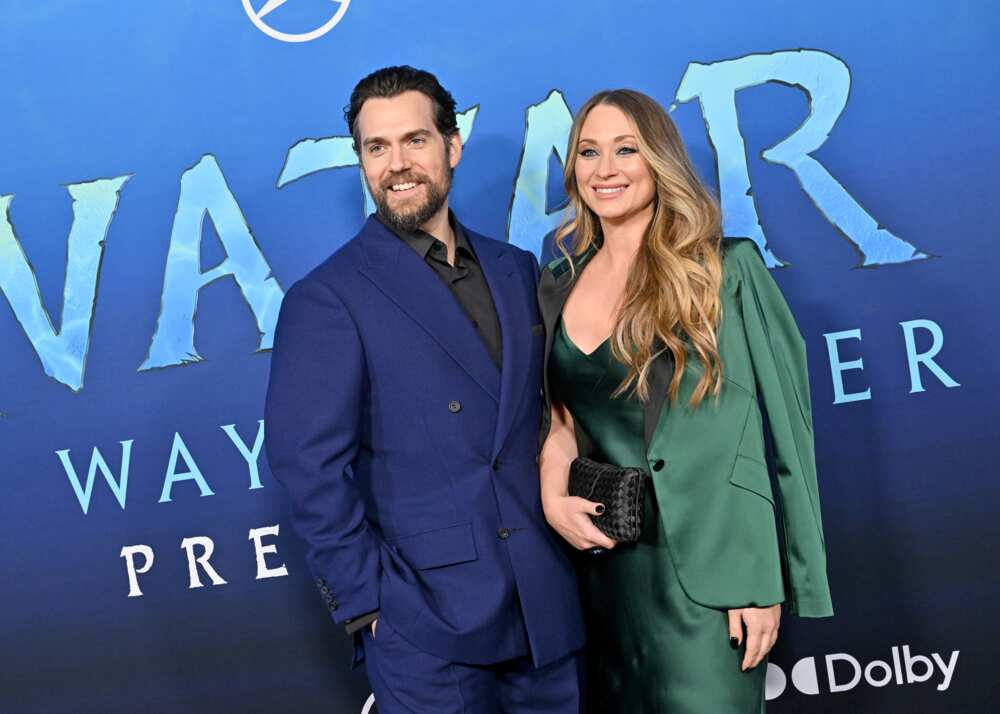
x: 606, y: 192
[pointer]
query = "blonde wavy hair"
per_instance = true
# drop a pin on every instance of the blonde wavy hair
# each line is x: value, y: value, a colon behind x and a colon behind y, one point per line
x: 672, y: 297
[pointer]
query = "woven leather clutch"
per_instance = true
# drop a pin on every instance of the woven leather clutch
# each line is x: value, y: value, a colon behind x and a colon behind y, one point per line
x: 621, y: 491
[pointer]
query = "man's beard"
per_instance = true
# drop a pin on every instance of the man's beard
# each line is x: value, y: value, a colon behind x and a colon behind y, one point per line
x: 414, y: 215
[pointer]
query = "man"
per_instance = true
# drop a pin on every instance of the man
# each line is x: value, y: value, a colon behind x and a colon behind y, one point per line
x: 403, y: 415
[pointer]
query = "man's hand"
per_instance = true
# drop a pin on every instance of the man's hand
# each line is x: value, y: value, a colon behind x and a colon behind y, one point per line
x: 762, y: 632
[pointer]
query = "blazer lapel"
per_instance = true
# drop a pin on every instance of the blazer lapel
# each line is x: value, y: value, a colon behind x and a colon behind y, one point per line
x: 407, y: 280
x: 554, y: 287
x: 511, y: 298
x: 660, y: 374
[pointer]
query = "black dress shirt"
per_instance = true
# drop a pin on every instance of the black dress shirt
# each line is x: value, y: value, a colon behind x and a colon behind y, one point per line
x: 465, y: 279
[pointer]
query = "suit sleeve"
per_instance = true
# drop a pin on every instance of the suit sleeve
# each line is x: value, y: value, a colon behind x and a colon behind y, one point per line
x: 778, y: 353
x: 314, y: 413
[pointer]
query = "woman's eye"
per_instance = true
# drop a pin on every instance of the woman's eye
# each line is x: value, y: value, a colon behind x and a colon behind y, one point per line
x: 625, y: 150
x: 588, y: 153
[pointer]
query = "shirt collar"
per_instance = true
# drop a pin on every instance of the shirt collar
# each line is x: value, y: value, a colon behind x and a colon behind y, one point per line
x: 422, y: 242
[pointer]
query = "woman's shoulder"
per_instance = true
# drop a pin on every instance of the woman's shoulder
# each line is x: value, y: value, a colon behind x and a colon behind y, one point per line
x: 738, y: 251
x: 557, y: 266
x: 741, y: 260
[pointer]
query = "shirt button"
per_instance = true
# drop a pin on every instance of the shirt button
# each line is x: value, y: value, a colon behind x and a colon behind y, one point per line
x: 504, y: 533
x: 454, y: 406
x: 658, y: 465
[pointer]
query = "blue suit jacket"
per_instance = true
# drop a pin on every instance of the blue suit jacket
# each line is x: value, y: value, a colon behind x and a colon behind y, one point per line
x: 410, y: 459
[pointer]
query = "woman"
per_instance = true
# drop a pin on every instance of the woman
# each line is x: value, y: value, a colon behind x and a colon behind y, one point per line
x: 660, y: 337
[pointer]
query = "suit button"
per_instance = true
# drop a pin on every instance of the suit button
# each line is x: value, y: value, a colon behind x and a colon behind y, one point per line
x: 454, y: 406
x: 503, y: 533
x: 496, y: 464
x: 658, y: 465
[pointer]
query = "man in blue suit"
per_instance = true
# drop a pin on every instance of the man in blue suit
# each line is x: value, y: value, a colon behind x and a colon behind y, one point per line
x: 402, y: 416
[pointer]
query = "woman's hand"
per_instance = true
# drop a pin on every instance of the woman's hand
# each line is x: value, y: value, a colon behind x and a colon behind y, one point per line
x: 762, y: 632
x: 570, y: 517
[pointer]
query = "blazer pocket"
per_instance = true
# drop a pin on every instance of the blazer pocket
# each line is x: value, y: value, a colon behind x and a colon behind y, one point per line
x: 437, y: 548
x: 752, y: 475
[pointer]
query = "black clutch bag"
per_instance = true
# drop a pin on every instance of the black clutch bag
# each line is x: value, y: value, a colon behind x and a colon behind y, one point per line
x: 621, y: 490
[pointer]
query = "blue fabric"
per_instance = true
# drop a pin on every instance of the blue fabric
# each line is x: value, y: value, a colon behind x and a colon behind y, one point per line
x: 406, y: 680
x: 410, y: 460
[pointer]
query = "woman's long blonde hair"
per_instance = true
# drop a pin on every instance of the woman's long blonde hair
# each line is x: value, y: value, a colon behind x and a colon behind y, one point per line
x: 671, y: 300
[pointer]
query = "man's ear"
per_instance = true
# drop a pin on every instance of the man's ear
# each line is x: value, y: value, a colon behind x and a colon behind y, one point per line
x: 454, y: 149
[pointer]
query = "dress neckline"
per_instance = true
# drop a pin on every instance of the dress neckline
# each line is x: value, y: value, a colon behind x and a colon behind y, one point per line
x: 569, y: 341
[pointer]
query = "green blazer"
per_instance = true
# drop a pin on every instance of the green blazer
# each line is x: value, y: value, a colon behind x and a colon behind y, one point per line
x: 708, y: 464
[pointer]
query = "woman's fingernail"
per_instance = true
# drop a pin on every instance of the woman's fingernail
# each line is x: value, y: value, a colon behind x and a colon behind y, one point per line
x: 734, y: 643
x: 600, y: 508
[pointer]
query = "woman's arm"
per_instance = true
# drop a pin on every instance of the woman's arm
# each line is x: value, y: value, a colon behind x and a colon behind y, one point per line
x: 568, y: 515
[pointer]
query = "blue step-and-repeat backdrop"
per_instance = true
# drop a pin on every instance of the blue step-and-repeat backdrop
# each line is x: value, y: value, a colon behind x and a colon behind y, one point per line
x: 168, y: 169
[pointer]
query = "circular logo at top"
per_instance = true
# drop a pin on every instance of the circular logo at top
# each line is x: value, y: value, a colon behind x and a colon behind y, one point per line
x: 257, y: 18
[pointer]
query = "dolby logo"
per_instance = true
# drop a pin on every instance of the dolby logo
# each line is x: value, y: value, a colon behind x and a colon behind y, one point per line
x: 845, y: 672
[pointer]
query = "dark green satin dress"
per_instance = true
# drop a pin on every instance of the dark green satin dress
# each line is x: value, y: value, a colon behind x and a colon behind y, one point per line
x: 650, y: 648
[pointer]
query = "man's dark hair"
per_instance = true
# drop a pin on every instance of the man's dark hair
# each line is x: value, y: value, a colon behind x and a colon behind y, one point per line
x: 392, y: 81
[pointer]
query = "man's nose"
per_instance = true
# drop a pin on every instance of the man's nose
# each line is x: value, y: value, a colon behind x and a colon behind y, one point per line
x: 398, y: 159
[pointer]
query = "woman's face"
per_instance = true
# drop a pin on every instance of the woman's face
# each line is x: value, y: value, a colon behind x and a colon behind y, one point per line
x: 611, y: 176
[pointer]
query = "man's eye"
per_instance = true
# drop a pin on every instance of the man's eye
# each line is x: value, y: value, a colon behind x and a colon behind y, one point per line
x: 375, y: 149
x: 588, y: 153
x: 418, y: 140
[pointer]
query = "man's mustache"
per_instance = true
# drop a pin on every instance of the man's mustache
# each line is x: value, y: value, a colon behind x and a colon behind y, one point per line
x: 403, y: 178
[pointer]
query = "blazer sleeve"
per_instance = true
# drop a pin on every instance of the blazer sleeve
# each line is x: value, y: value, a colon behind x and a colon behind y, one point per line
x: 778, y: 353
x: 313, y: 413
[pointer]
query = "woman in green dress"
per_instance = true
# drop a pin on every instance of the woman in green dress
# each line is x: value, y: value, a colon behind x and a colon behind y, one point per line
x: 665, y: 344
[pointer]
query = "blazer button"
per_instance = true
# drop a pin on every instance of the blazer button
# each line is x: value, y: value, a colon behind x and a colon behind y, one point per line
x: 658, y: 465
x: 496, y: 465
x: 454, y: 406
x: 503, y: 533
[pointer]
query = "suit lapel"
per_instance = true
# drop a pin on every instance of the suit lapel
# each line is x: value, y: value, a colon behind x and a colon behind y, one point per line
x: 508, y: 291
x: 408, y: 281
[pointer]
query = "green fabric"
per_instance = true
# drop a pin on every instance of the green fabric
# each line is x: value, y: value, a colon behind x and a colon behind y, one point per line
x: 650, y: 648
x: 720, y: 513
